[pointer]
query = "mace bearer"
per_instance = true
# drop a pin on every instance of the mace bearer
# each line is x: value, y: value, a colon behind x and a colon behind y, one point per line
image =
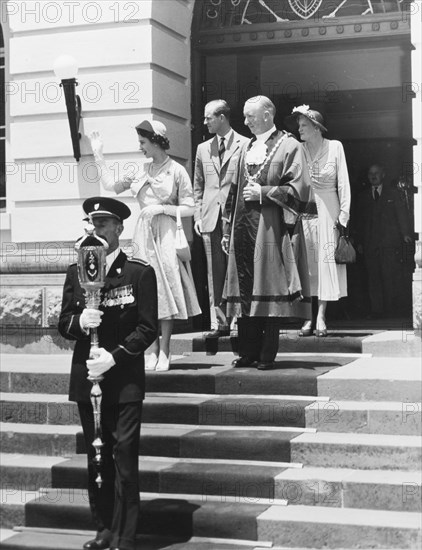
x: 92, y: 251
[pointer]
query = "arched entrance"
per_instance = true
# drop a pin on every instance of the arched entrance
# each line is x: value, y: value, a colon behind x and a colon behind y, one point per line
x: 349, y: 59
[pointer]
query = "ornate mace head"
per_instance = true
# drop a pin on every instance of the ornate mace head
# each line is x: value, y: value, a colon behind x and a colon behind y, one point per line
x: 92, y: 251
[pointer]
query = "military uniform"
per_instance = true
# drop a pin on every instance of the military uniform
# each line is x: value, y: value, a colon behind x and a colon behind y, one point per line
x: 128, y: 327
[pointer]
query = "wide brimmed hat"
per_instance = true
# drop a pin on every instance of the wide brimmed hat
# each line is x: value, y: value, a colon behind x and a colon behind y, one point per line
x: 105, y: 207
x: 303, y: 110
x: 153, y: 127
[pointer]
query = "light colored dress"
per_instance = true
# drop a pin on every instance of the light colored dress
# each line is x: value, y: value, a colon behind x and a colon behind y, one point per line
x: 154, y: 238
x: 330, y: 182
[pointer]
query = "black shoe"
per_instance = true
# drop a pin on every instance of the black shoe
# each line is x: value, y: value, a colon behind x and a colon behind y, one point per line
x: 263, y: 365
x: 242, y: 362
x: 99, y: 543
x: 218, y: 332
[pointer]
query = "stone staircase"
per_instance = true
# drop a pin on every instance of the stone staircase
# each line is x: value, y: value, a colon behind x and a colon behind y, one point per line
x: 322, y: 452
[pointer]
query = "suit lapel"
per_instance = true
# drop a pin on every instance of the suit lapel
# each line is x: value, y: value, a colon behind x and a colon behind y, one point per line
x: 232, y: 146
x: 214, y: 154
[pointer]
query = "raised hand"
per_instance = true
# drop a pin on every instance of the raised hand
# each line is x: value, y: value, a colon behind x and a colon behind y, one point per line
x: 96, y: 143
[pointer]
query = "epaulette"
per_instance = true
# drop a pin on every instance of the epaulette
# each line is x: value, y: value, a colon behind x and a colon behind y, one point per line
x: 139, y: 261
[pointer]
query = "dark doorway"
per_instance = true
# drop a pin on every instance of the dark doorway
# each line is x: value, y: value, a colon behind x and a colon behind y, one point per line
x: 359, y: 87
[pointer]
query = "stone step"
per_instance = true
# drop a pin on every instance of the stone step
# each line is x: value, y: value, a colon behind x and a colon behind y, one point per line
x: 365, y: 417
x: 322, y: 527
x: 360, y: 451
x: 241, y: 410
x: 343, y: 487
x: 38, y: 408
x: 235, y: 410
x: 27, y: 473
x: 267, y: 444
x: 27, y: 340
x: 294, y: 374
x: 187, y: 516
x: 337, y: 341
x: 375, y: 379
x: 246, y: 481
x: 39, y: 439
x: 51, y: 539
x: 394, y: 343
x: 175, y: 515
x: 168, y: 440
x: 169, y: 408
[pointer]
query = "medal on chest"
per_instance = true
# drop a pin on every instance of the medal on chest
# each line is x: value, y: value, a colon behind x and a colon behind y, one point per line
x: 119, y: 296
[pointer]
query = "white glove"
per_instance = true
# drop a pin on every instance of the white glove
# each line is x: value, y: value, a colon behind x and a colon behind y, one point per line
x: 152, y: 210
x: 225, y: 244
x: 96, y: 144
x: 102, y: 363
x: 198, y: 227
x: 90, y: 318
x: 343, y: 218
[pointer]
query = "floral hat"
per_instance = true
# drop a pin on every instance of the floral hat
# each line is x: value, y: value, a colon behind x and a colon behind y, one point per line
x: 314, y: 116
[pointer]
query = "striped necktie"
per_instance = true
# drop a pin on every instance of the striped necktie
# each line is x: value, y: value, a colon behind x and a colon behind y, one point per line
x: 221, y: 150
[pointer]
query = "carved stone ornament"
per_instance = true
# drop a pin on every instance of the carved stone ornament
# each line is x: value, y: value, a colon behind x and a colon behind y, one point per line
x: 230, y: 13
x: 305, y: 8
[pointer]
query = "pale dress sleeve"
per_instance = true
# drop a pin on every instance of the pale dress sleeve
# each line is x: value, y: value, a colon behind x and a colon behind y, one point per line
x: 107, y: 179
x: 343, y: 186
x: 185, y: 199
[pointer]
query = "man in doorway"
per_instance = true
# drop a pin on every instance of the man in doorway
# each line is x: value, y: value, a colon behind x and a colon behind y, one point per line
x: 127, y: 324
x: 216, y: 164
x: 266, y: 280
x: 385, y: 238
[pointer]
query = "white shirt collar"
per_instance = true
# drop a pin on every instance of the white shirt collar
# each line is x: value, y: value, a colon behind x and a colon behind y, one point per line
x: 226, y: 136
x: 263, y: 137
x: 110, y: 258
x: 378, y: 188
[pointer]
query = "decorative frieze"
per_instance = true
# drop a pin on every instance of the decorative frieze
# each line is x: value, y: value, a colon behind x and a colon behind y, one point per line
x: 300, y: 31
x: 231, y: 13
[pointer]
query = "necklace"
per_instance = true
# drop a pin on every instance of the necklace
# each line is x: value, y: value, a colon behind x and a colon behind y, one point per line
x: 154, y: 168
x: 314, y: 155
x: 313, y: 165
x: 266, y: 161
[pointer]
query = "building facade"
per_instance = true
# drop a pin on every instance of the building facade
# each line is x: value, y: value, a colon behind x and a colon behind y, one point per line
x: 357, y: 61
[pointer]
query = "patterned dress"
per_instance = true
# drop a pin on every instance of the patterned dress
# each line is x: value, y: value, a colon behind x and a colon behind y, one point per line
x: 154, y: 239
x: 330, y: 183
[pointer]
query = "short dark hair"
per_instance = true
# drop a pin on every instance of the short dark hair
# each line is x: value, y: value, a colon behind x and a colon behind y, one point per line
x: 161, y: 141
x: 221, y: 107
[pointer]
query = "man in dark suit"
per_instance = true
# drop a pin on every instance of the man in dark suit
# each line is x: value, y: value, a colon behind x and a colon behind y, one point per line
x: 216, y: 165
x: 127, y: 324
x: 385, y: 239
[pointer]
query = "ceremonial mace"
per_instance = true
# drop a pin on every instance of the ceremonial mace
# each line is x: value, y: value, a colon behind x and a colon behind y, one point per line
x: 91, y: 251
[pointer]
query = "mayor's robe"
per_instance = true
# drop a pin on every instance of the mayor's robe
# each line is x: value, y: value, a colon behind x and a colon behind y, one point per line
x: 267, y: 273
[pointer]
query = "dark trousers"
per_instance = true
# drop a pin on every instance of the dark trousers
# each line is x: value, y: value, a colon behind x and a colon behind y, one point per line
x: 386, y: 281
x: 115, y: 506
x: 258, y: 337
x: 216, y: 273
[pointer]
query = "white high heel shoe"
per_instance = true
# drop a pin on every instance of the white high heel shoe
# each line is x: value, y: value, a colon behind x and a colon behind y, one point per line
x: 151, y: 362
x: 163, y: 362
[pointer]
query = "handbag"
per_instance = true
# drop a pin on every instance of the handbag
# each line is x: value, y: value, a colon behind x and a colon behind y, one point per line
x: 345, y: 253
x: 182, y: 245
